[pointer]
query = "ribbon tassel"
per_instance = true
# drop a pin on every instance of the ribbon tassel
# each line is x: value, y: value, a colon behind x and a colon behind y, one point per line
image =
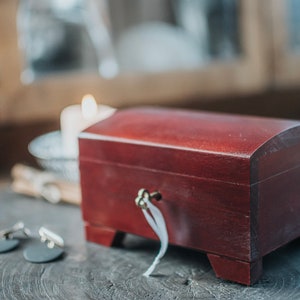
x: 156, y: 220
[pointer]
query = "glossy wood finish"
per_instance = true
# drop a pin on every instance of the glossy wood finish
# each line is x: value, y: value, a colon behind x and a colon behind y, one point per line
x: 103, y: 235
x: 218, y: 175
x: 236, y: 270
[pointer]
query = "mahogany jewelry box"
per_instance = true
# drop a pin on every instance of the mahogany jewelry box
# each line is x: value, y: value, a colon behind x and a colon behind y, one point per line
x: 230, y: 184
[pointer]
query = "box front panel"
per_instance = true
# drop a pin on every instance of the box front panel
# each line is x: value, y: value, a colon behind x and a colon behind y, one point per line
x: 200, y: 213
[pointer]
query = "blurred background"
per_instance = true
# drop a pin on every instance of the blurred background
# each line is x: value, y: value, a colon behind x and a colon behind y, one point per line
x: 238, y: 56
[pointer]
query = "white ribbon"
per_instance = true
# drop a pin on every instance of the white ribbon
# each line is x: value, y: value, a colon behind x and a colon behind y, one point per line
x: 157, y: 223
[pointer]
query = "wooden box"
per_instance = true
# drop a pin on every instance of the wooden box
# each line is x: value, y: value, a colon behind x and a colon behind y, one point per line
x: 230, y: 184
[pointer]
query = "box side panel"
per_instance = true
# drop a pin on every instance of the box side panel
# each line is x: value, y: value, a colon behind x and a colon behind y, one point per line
x: 207, y: 215
x: 278, y: 210
x: 279, y: 154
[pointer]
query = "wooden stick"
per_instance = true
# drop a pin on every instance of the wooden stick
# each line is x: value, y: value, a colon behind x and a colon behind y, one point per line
x: 41, y: 184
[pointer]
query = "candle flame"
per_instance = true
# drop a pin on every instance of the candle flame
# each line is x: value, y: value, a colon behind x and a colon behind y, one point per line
x: 89, y: 107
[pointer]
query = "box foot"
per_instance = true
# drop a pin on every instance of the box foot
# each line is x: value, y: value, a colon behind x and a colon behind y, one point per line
x: 236, y: 270
x: 103, y: 235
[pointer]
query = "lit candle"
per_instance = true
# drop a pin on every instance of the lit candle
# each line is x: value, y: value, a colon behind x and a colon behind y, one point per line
x: 75, y: 118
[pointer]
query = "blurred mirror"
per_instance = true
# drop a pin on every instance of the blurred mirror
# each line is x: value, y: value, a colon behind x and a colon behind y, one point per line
x: 59, y: 36
x: 112, y: 36
x: 293, y: 19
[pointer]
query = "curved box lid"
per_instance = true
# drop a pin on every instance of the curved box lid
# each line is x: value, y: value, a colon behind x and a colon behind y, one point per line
x: 210, y: 145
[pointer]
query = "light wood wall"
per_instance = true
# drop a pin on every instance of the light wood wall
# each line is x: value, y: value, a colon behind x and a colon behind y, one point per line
x: 44, y: 99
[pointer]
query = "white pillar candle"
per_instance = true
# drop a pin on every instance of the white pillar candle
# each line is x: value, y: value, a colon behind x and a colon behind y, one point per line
x: 75, y: 118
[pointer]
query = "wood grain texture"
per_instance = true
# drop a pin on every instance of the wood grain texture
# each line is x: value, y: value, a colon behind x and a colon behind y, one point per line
x: 90, y: 271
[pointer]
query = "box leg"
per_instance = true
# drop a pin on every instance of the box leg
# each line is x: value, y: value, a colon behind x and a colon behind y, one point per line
x: 103, y: 235
x: 236, y: 270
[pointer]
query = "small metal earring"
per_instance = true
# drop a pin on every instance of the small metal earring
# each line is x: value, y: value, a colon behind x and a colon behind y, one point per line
x: 7, y: 240
x: 49, y: 248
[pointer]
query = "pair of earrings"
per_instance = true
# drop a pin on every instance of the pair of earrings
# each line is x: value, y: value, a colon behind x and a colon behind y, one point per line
x: 49, y: 248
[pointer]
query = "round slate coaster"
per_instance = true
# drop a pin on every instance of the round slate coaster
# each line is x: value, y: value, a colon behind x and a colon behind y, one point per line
x: 40, y: 253
x: 8, y: 245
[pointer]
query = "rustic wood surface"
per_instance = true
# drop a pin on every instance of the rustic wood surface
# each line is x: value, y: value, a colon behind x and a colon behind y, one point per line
x: 90, y: 271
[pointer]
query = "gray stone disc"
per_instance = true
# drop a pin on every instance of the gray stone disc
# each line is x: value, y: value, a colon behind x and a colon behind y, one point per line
x: 8, y: 245
x: 40, y: 253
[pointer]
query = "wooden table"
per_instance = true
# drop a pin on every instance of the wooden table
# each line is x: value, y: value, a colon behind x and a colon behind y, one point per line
x: 90, y: 271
